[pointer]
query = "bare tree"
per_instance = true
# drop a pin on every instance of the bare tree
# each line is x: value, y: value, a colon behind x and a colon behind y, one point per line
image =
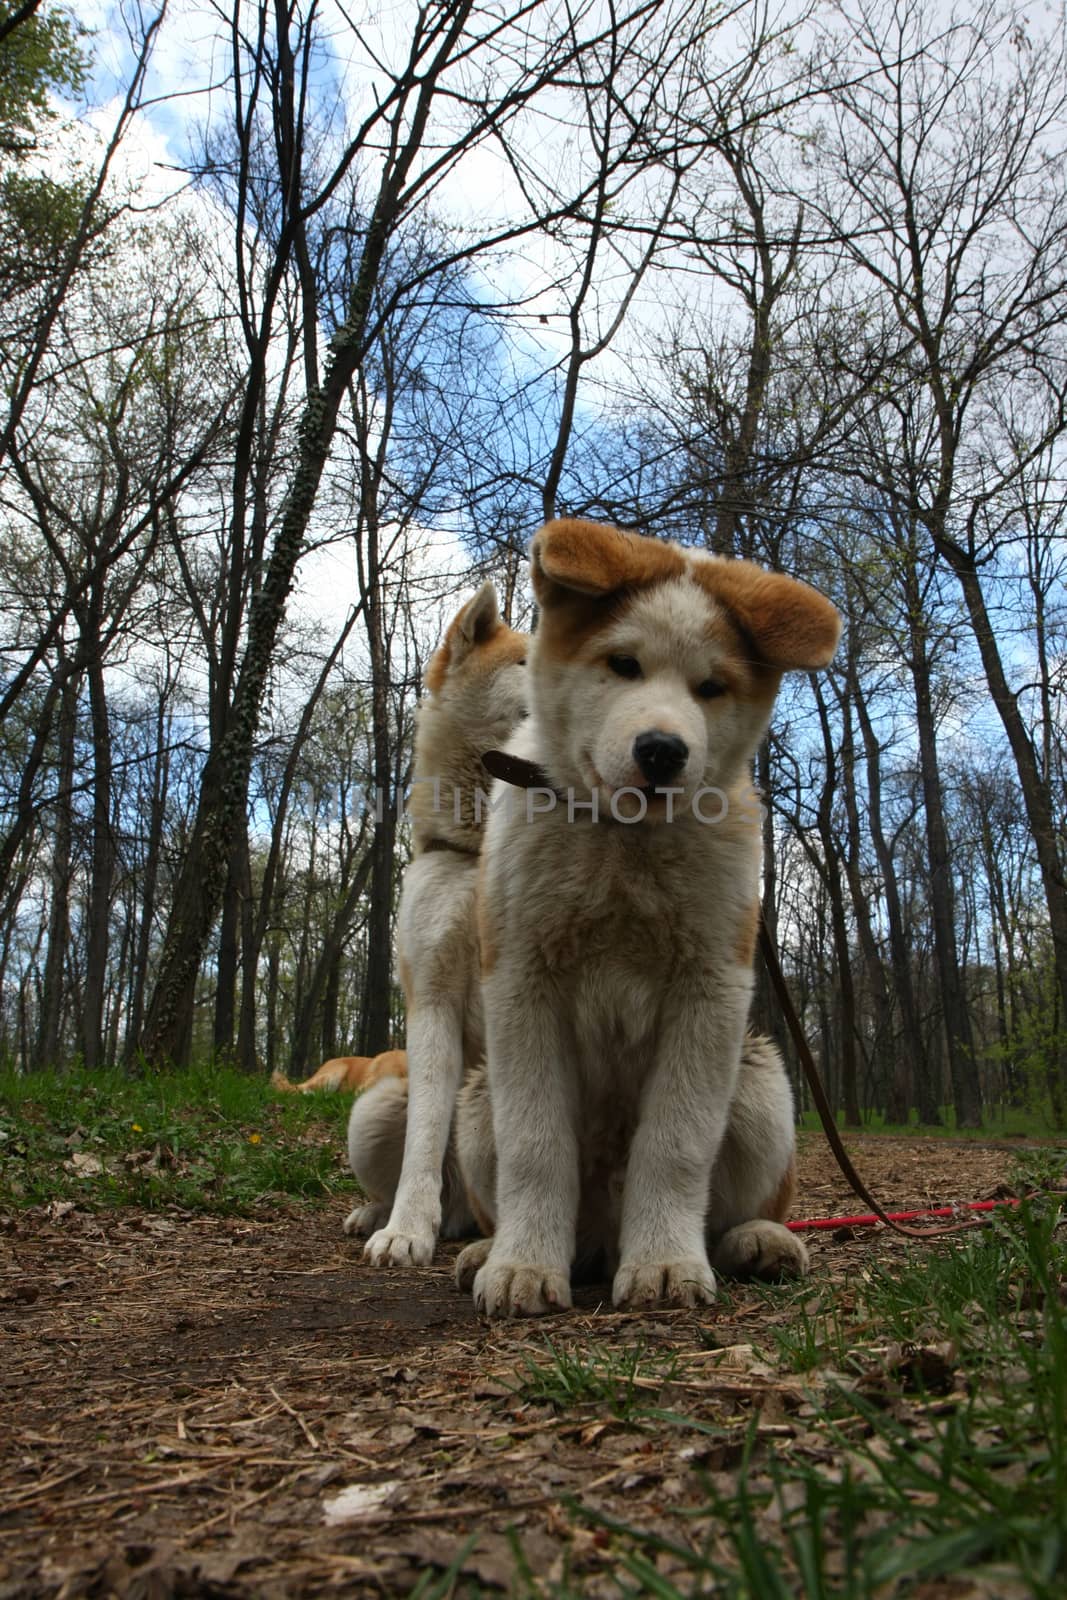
x: 943, y: 185
x: 464, y: 80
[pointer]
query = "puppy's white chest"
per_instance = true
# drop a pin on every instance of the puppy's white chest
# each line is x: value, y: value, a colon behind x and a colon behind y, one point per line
x: 616, y: 1004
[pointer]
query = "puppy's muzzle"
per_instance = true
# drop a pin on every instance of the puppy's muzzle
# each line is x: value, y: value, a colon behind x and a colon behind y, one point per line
x: 660, y: 756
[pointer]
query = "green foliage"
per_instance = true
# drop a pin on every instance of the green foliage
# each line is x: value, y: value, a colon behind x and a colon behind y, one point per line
x: 38, y: 215
x: 41, y: 55
x: 618, y: 1379
x: 1036, y: 1049
x: 1028, y: 1121
x: 38, y: 219
x: 210, y: 1139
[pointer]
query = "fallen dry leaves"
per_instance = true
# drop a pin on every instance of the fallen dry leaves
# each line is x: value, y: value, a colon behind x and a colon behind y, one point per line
x: 210, y: 1406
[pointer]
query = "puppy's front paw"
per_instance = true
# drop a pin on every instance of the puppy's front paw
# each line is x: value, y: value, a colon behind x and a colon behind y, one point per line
x: 365, y: 1219
x: 762, y: 1249
x: 391, y: 1247
x: 469, y: 1263
x: 678, y: 1283
x: 518, y: 1289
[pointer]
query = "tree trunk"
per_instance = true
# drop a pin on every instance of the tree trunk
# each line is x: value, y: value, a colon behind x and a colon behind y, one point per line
x: 331, y: 1000
x: 1002, y: 941
x: 223, y: 799
x: 114, y: 1020
x: 150, y: 880
x: 375, y: 1035
x: 229, y: 936
x: 101, y: 874
x: 247, y: 1058
x: 763, y: 1005
x: 912, y: 1077
x: 953, y: 1000
x: 51, y: 1009
x: 316, y: 988
x: 839, y: 924
x: 1036, y: 795
x: 872, y: 958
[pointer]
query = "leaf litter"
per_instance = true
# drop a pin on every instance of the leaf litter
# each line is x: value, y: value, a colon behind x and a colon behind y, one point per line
x: 195, y: 1404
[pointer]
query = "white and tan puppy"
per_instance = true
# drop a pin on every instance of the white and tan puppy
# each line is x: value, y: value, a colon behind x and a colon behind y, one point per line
x: 476, y: 685
x: 618, y: 924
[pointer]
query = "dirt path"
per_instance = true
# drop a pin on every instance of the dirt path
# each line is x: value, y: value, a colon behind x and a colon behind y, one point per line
x: 182, y: 1398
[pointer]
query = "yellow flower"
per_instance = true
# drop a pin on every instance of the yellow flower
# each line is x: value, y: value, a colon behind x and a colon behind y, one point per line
x: 255, y: 1138
x: 136, y: 1126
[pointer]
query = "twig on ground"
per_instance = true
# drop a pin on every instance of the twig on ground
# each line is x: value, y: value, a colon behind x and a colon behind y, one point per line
x: 308, y: 1435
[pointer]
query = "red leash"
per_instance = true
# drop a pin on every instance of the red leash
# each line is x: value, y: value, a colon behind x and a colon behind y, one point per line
x: 870, y: 1220
x: 829, y: 1121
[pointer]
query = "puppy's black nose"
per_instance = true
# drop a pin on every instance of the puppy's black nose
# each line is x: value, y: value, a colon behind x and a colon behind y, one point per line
x: 661, y: 756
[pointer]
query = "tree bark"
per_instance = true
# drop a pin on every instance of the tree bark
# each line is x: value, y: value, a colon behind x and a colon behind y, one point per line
x: 52, y: 990
x: 846, y: 1012
x: 102, y: 869
x: 149, y: 880
x: 325, y: 966
x: 882, y: 1053
x: 227, y: 960
x: 959, y: 1039
x: 911, y: 1074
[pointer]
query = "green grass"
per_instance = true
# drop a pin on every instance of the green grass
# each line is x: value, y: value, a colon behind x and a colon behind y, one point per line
x: 1000, y: 1122
x: 614, y: 1378
x: 934, y: 1441
x: 209, y: 1139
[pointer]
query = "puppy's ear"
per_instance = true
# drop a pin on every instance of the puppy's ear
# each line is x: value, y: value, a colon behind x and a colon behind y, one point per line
x: 570, y: 556
x: 475, y: 624
x: 480, y: 617
x: 794, y: 627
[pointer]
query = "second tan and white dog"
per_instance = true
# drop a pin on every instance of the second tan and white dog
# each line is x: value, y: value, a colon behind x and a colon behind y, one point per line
x: 346, y: 1073
x: 624, y: 1117
x: 398, y: 1134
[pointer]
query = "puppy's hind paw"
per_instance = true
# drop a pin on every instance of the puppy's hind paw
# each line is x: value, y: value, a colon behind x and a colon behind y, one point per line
x: 515, y: 1289
x: 469, y: 1263
x: 365, y: 1219
x: 674, y: 1283
x: 390, y: 1247
x: 762, y: 1249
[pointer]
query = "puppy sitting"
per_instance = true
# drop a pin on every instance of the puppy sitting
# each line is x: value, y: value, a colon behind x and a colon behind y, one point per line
x: 630, y: 1120
x: 398, y: 1134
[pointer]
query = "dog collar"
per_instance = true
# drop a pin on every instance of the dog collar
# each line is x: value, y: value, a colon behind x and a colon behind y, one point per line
x: 525, y: 774
x: 516, y: 770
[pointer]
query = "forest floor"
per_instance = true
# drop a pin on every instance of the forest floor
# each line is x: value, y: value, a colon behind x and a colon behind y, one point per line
x: 227, y: 1405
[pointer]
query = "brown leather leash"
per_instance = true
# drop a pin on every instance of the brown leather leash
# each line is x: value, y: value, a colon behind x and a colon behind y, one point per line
x: 525, y: 774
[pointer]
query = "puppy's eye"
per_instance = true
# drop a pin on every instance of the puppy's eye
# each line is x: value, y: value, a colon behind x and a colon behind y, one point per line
x: 625, y: 666
x: 710, y: 689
